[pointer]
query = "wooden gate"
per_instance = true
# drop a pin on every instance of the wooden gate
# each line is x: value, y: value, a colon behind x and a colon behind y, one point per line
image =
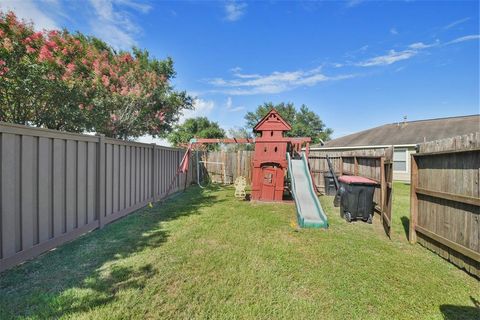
x: 386, y: 167
x: 445, y: 199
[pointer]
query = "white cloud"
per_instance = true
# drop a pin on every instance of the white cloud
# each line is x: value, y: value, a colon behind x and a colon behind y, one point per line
x: 464, y: 38
x: 421, y: 45
x: 412, y: 50
x: 393, y: 31
x: 36, y: 11
x: 455, y: 23
x: 229, y: 106
x: 276, y: 82
x: 353, y: 3
x: 234, y: 11
x: 113, y: 24
x: 202, y: 108
x: 391, y: 57
x: 110, y: 20
x: 137, y: 6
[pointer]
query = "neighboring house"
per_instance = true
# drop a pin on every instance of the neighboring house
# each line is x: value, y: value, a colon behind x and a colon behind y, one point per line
x: 404, y: 136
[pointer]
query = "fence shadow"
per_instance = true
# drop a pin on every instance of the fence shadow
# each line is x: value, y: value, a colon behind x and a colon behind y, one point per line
x: 461, y: 312
x: 406, y: 225
x: 80, y: 264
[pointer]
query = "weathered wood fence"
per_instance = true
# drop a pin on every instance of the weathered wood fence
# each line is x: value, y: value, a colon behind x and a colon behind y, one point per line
x: 445, y: 199
x: 344, y: 163
x: 55, y: 186
x: 224, y: 167
x: 375, y: 164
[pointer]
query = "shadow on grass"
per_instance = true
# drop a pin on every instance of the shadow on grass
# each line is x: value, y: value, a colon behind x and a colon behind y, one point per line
x: 461, y: 312
x: 406, y: 225
x: 87, y: 272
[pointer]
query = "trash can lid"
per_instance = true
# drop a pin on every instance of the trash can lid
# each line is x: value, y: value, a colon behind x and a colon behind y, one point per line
x: 355, y: 180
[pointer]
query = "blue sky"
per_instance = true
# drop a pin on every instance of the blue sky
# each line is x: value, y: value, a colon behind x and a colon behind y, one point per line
x: 358, y: 64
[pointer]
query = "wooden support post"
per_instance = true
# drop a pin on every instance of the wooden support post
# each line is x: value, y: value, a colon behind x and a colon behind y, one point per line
x: 341, y: 165
x: 383, y: 187
x: 224, y: 160
x: 239, y: 164
x: 101, y: 180
x: 413, y: 199
x: 355, y: 168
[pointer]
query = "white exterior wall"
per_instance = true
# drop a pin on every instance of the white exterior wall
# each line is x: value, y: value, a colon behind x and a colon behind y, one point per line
x: 404, y: 175
x: 397, y: 175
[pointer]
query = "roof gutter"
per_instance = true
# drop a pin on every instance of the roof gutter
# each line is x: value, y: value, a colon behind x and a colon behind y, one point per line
x: 363, y: 147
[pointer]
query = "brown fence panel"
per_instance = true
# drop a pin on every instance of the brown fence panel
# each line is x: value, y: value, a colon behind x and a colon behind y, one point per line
x: 343, y: 163
x: 224, y: 167
x: 48, y: 188
x: 319, y: 166
x: 375, y: 164
x: 55, y: 186
x: 445, y: 199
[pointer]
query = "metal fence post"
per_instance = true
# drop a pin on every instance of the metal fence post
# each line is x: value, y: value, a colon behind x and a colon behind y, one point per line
x: 154, y: 172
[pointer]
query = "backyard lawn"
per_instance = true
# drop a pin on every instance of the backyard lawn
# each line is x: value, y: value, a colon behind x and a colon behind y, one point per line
x: 204, y: 254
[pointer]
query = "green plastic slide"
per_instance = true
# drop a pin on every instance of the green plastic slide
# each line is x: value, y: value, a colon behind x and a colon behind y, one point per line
x: 309, y: 210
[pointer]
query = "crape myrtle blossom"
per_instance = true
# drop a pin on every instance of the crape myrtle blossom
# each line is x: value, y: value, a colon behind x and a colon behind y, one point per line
x: 64, y: 81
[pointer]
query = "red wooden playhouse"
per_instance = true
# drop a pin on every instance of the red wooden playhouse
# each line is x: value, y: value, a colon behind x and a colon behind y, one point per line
x: 276, y: 158
x: 270, y: 157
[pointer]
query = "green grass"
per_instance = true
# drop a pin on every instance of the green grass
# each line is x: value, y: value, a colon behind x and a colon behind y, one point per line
x: 206, y: 255
x: 401, y: 210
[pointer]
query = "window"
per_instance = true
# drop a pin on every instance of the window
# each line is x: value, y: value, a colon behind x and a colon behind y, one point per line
x: 400, y: 160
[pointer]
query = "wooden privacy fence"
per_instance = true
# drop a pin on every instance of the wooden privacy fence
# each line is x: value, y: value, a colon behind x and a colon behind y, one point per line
x: 225, y: 167
x: 55, y: 186
x: 445, y: 199
x: 343, y: 162
x: 376, y: 164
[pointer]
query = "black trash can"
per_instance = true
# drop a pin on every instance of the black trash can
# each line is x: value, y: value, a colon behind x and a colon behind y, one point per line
x: 329, y: 184
x: 356, y: 198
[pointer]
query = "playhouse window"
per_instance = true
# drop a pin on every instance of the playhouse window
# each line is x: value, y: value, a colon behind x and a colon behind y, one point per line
x: 275, y: 149
x: 271, y: 133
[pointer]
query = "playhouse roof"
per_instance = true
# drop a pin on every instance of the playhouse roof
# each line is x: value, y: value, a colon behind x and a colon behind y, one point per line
x: 272, y: 121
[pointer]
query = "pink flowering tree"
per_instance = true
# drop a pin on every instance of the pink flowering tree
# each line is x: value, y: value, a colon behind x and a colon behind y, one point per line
x: 72, y: 82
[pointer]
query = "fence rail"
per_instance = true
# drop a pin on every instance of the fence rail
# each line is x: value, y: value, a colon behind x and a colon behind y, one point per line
x: 55, y: 186
x: 445, y: 199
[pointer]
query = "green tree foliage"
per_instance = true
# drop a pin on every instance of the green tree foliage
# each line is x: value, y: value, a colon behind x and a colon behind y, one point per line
x: 58, y: 80
x: 239, y: 133
x: 199, y: 127
x: 304, y: 122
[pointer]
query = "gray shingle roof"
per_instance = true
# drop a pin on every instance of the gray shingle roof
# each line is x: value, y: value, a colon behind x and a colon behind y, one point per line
x: 411, y: 132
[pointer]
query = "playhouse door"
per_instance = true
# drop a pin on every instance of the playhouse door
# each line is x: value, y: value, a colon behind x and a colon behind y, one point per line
x: 269, y: 175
